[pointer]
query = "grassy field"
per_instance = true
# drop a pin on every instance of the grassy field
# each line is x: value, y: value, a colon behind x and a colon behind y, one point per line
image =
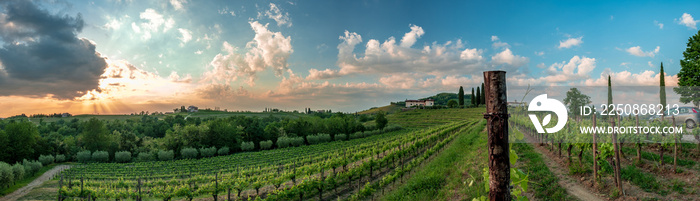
x: 26, y: 180
x: 388, y: 109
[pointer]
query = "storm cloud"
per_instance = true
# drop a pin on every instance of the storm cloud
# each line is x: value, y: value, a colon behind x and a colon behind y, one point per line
x: 41, y: 54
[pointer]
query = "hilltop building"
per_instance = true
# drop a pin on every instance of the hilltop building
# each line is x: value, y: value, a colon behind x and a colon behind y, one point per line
x: 192, y: 108
x: 426, y: 102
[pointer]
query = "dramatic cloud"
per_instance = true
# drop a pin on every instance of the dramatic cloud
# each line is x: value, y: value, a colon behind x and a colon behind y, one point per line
x: 221, y: 92
x: 266, y: 50
x: 568, y: 43
x: 687, y: 20
x: 277, y: 15
x: 637, y: 51
x: 626, y: 78
x: 42, y: 55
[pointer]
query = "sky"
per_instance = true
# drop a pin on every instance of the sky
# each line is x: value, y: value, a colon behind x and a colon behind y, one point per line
x: 125, y: 56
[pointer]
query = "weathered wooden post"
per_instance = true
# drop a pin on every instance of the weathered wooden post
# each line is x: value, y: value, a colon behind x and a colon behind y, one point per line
x: 595, y: 153
x: 497, y: 117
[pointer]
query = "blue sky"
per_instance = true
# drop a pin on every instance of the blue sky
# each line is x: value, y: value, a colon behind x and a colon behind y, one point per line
x: 340, y: 55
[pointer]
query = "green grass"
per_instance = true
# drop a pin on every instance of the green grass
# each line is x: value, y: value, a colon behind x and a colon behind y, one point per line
x: 438, y: 179
x: 645, y: 181
x: 25, y: 181
x: 420, y: 118
x: 668, y: 157
x: 543, y: 183
x: 388, y: 109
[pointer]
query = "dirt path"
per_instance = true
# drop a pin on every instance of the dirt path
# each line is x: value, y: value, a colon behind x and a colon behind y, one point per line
x: 38, y: 181
x: 572, y: 185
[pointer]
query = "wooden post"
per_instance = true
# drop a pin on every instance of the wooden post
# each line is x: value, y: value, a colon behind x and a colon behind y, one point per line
x: 675, y: 145
x: 616, y: 149
x: 595, y: 153
x: 497, y: 117
x: 138, y: 198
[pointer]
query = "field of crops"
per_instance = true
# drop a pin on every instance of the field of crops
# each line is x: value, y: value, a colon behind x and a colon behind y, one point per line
x: 353, y: 169
x: 648, y: 166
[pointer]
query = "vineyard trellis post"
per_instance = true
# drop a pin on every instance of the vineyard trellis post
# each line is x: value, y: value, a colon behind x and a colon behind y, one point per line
x: 595, y: 153
x: 497, y: 117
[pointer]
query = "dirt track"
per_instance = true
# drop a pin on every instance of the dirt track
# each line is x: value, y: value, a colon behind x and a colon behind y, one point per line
x: 38, y: 181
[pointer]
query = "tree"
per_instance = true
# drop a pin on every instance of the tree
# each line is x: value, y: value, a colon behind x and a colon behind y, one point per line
x: 690, y: 69
x: 183, y: 109
x: 575, y: 100
x: 483, y: 94
x: 460, y: 95
x: 662, y: 88
x: 473, y: 98
x: 21, y: 140
x: 452, y: 103
x: 94, y: 135
x: 478, y: 97
x: 381, y: 120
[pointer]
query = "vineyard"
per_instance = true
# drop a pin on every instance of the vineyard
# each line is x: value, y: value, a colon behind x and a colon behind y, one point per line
x: 354, y: 169
x: 651, y: 166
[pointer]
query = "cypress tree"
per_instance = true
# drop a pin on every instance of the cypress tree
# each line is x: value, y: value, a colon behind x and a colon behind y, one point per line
x: 478, y: 96
x: 461, y: 96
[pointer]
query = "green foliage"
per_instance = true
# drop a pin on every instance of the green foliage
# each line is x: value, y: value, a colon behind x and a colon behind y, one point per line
x: 381, y: 120
x: 188, y: 152
x: 645, y: 181
x: 267, y: 144
x: 452, y: 103
x: 122, y: 157
x: 166, y: 155
x: 339, y: 137
x: 100, y: 156
x: 318, y: 138
x: 84, y: 156
x: 297, y: 141
x: 18, y: 171
x: 223, y: 151
x: 60, y: 158
x: 478, y: 96
x: 31, y: 167
x: 94, y: 135
x: 575, y: 100
x: 662, y: 88
x: 145, y: 156
x: 247, y: 146
x: 6, y: 174
x: 46, y: 159
x: 283, y: 142
x: 473, y: 97
x: 690, y: 69
x: 21, y: 141
x: 442, y: 98
x: 207, y: 152
x: 483, y: 94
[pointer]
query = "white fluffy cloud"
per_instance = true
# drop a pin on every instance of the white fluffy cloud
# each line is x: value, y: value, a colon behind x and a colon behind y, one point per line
x: 178, y: 4
x: 410, y: 38
x: 388, y: 57
x: 626, y: 78
x: 576, y: 69
x: 637, y: 51
x: 282, y: 18
x: 186, y: 35
x: 660, y: 25
x: 687, y: 20
x: 507, y: 57
x: 497, y: 43
x: 568, y: 43
x: 154, y: 22
x: 267, y: 50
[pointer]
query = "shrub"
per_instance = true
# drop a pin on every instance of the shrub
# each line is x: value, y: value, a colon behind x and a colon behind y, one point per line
x: 312, y: 139
x: 318, y: 138
x: 145, y: 156
x: 356, y: 135
x: 266, y: 144
x: 31, y: 167
x: 84, y: 156
x: 247, y: 146
x: 46, y: 159
x: 166, y: 155
x: 207, y: 152
x: 100, y: 156
x: 339, y: 137
x: 297, y: 141
x: 392, y: 128
x: 6, y: 174
x: 122, y: 157
x: 283, y: 142
x: 18, y: 171
x: 223, y: 151
x: 187, y: 153
x: 60, y: 158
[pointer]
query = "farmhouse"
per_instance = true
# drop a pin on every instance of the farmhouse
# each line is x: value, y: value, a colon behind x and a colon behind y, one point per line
x: 192, y: 108
x: 427, y: 102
